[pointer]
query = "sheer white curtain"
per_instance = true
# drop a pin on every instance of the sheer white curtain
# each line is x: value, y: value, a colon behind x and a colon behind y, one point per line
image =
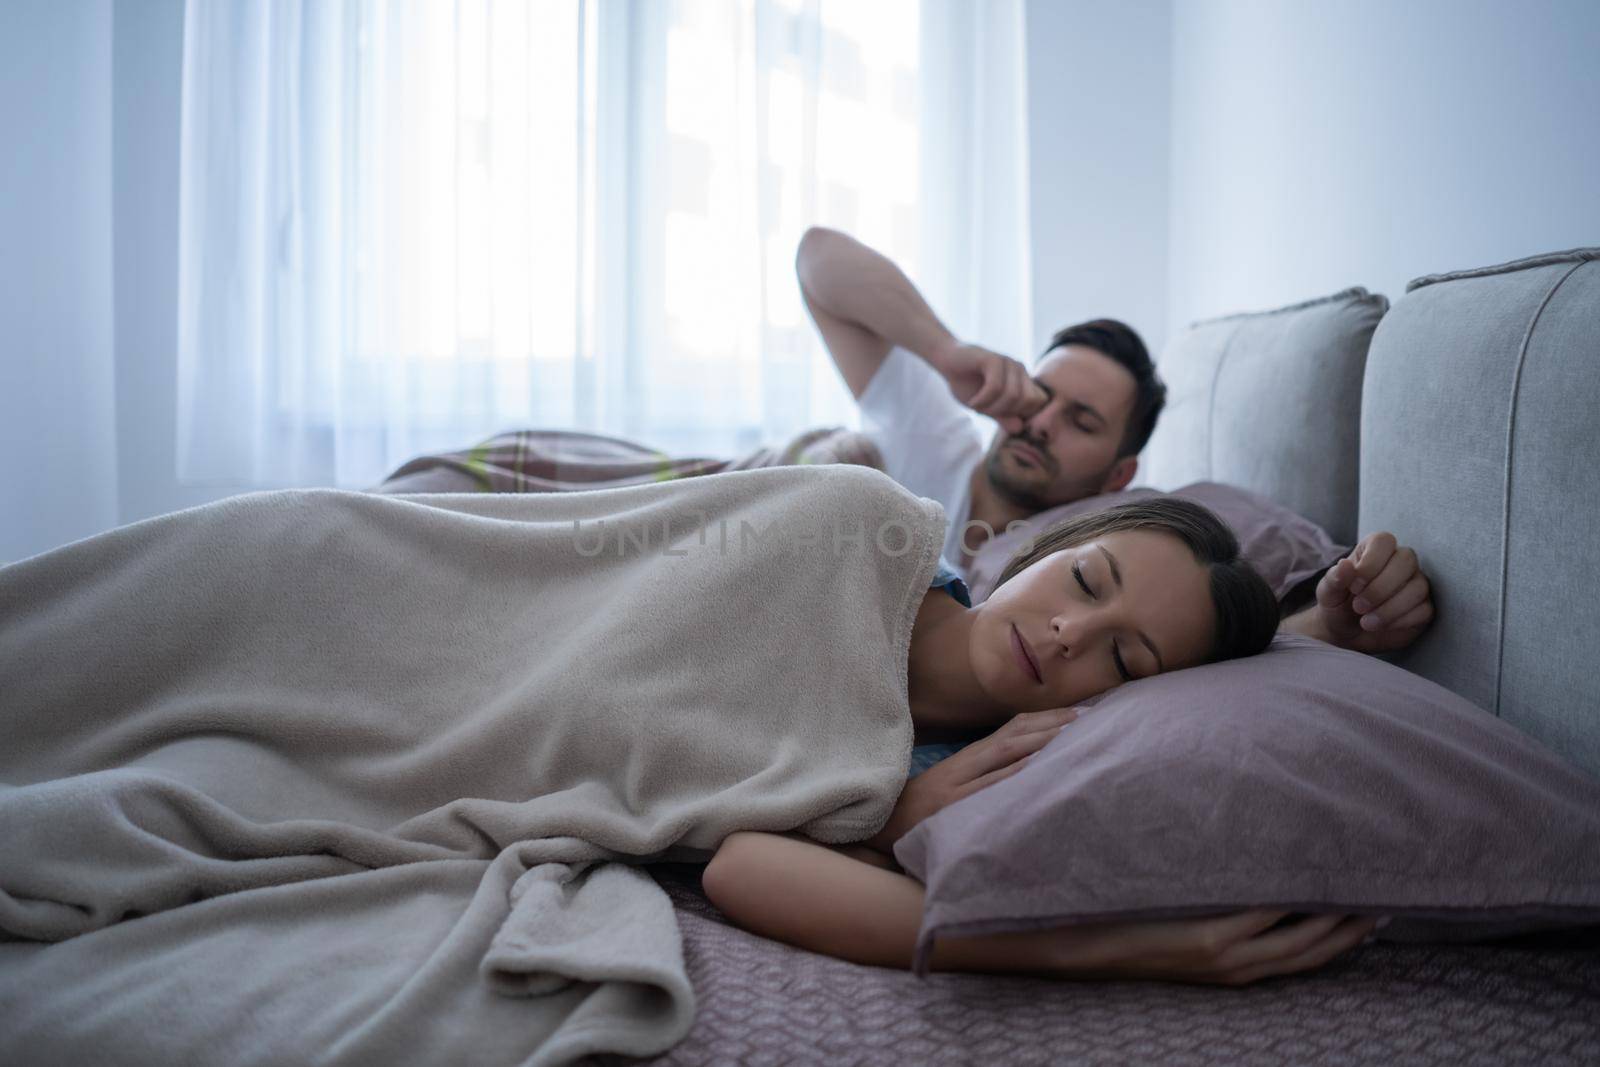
x: 406, y: 225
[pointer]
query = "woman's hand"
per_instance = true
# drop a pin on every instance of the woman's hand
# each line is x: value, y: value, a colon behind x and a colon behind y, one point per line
x: 1376, y: 599
x: 982, y: 763
x: 1228, y: 950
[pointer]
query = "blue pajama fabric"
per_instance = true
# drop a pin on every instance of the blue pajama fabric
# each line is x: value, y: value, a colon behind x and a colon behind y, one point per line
x: 925, y: 756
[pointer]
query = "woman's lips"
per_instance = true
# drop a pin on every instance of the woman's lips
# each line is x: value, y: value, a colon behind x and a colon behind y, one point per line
x: 1025, y: 657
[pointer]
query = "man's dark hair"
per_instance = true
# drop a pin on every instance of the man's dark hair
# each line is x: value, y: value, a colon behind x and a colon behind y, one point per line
x: 1116, y: 340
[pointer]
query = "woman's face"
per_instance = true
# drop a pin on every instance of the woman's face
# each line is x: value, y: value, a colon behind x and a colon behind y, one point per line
x: 1043, y: 640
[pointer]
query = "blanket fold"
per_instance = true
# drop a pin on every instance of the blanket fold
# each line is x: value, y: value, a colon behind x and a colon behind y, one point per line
x: 478, y: 703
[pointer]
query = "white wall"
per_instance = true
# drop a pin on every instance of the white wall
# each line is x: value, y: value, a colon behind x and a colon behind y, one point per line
x: 89, y: 121
x: 147, y: 85
x: 1364, y: 142
x: 57, y: 422
x: 1099, y: 131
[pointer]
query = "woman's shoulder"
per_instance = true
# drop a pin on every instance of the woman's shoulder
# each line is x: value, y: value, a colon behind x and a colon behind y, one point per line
x: 948, y: 578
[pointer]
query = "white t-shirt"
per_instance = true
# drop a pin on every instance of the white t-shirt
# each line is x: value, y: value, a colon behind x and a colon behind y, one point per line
x: 930, y: 442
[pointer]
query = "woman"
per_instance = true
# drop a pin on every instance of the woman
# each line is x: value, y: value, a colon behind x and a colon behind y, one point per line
x: 1148, y: 587
x: 343, y: 682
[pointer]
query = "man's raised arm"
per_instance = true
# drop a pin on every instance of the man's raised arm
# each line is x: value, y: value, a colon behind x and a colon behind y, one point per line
x: 863, y: 305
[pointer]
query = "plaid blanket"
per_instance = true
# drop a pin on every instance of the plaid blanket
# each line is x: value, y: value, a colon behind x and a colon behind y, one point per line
x: 556, y: 461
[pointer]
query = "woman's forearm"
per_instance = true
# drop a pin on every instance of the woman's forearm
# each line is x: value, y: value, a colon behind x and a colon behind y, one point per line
x: 819, y: 899
x: 811, y: 896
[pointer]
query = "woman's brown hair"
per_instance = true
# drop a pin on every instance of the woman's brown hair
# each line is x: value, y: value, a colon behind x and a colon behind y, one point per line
x: 1247, y: 611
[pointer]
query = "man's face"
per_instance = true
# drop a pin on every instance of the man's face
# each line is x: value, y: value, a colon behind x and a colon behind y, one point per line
x: 1067, y: 449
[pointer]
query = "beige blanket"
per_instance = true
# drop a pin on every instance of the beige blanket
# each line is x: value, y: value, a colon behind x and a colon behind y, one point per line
x: 316, y: 776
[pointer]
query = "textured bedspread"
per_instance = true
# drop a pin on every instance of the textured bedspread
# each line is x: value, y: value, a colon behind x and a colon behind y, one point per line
x: 1391, y: 1005
x: 321, y: 777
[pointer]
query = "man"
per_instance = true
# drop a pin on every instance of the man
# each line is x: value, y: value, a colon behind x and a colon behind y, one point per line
x: 1070, y: 430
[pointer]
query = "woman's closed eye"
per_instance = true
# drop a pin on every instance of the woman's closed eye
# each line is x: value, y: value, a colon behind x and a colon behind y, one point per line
x: 1077, y: 572
x: 1116, y: 653
x: 1116, y: 658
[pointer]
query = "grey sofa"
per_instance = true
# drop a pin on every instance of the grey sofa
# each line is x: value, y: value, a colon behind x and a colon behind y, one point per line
x: 1469, y: 428
x: 1480, y: 437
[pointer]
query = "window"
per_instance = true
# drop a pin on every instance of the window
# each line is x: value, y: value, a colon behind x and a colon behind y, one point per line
x: 407, y: 227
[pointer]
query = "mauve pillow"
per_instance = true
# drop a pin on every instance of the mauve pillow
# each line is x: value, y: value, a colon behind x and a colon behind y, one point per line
x: 1306, y: 779
x: 1284, y: 547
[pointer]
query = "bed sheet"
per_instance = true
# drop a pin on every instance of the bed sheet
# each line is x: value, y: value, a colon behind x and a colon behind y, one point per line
x: 761, y: 1002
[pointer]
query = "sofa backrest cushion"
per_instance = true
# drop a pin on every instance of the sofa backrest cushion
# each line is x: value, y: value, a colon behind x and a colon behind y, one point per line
x: 1270, y: 401
x: 1480, y: 448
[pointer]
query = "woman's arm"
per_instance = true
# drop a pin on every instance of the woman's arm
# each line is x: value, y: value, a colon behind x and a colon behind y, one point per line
x: 813, y: 897
x: 977, y: 766
x: 823, y: 900
x: 1374, y: 600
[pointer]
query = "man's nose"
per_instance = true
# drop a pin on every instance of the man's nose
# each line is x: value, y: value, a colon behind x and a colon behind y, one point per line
x: 1038, y: 424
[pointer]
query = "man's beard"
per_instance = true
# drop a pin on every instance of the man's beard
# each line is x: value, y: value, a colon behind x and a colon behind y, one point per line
x: 1034, y: 495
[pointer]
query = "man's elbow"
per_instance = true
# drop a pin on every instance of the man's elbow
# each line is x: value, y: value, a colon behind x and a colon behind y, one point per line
x: 814, y: 246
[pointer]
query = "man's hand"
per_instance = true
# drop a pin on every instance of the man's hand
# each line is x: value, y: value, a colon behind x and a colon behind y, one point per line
x: 991, y: 384
x: 980, y: 764
x: 1374, y: 600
